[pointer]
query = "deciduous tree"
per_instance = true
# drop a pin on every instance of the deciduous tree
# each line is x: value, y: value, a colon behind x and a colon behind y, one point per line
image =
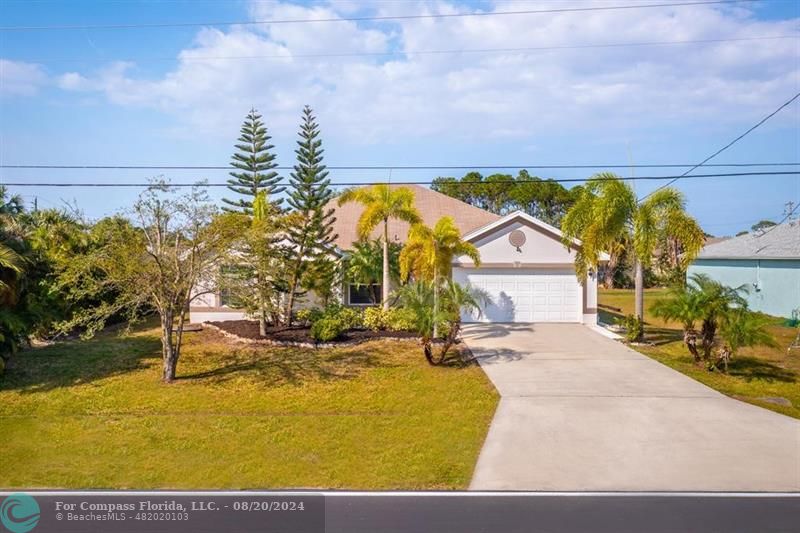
x: 152, y: 261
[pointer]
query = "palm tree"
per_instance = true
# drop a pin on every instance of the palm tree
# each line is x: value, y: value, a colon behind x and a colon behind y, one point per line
x: 716, y: 301
x: 365, y: 267
x: 418, y: 297
x: 682, y: 304
x: 742, y: 327
x: 608, y: 212
x: 11, y: 265
x: 707, y: 301
x: 429, y: 253
x: 382, y: 202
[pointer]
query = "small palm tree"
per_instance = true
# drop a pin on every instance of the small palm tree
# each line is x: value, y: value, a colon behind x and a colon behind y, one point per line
x: 608, y: 212
x: 418, y: 298
x: 716, y: 301
x: 381, y: 203
x: 741, y: 327
x: 682, y: 304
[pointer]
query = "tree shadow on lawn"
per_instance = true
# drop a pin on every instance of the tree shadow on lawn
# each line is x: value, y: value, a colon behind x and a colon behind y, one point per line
x: 750, y: 368
x: 273, y: 366
x: 76, y: 362
x: 661, y: 336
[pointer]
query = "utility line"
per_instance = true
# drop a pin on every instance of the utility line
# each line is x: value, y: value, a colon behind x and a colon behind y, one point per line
x: 391, y: 167
x: 785, y: 218
x: 363, y: 184
x: 290, y: 55
x: 363, y: 19
x: 715, y: 154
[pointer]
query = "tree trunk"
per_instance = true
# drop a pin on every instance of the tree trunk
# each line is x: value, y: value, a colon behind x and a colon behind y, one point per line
x: 290, y: 299
x: 435, y: 303
x: 639, y: 290
x: 169, y: 352
x: 708, y: 332
x: 262, y: 305
x: 608, y: 273
x: 293, y: 285
x: 690, y: 340
x: 385, y: 287
x: 427, y: 348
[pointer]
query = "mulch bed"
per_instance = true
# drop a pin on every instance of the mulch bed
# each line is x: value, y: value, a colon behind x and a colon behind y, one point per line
x: 248, y: 329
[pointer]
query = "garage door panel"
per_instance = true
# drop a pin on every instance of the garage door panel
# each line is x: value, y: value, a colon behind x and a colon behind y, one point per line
x: 524, y: 295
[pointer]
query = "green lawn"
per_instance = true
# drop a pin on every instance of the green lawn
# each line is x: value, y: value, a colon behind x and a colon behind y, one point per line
x: 756, y: 375
x: 375, y: 416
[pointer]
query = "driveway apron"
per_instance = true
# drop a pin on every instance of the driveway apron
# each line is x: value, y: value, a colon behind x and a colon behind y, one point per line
x: 582, y: 412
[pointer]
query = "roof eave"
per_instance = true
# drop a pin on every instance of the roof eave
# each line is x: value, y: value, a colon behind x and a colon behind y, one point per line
x: 483, y: 230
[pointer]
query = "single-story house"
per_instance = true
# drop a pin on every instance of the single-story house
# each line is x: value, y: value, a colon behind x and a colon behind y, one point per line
x: 527, y: 274
x: 767, y: 263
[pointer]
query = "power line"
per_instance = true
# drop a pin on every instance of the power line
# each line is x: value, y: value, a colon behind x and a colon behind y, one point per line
x: 421, y: 182
x: 393, y: 167
x: 715, y: 154
x: 363, y: 19
x: 290, y: 55
x: 789, y: 214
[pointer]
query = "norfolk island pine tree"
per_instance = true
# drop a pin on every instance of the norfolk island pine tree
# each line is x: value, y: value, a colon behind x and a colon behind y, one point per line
x: 310, y: 234
x: 254, y: 162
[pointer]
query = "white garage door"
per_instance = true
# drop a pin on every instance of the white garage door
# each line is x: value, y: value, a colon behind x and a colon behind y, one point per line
x: 524, y: 295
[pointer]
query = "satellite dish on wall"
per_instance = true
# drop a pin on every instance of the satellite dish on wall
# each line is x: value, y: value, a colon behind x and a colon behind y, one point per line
x: 517, y: 239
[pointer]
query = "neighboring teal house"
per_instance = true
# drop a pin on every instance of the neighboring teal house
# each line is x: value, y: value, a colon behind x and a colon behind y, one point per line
x: 767, y: 262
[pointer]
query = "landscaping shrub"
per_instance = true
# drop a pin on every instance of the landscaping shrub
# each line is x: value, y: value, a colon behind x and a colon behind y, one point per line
x: 375, y: 318
x: 399, y: 319
x: 309, y: 316
x: 327, y: 329
x: 634, y: 327
x: 393, y: 319
x: 350, y: 317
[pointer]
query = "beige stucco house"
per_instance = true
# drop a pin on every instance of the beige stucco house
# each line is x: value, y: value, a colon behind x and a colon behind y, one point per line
x: 527, y: 274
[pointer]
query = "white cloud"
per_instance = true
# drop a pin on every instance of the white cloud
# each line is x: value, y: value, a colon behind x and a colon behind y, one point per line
x: 19, y: 78
x: 472, y: 95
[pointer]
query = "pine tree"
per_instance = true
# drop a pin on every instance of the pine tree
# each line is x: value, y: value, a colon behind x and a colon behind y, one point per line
x: 311, y: 236
x: 254, y: 161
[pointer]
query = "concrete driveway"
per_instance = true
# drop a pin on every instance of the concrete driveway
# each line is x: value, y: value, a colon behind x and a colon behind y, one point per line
x: 582, y: 412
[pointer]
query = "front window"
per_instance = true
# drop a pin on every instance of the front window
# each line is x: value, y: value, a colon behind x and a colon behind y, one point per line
x: 365, y: 294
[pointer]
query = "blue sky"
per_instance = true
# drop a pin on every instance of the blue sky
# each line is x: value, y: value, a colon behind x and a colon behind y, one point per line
x: 176, y: 96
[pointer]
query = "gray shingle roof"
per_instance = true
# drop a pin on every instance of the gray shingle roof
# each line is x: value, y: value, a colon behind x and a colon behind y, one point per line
x: 778, y: 242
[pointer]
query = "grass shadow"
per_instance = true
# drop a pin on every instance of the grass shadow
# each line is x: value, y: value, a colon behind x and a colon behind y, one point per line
x: 274, y: 365
x: 77, y: 362
x: 661, y: 336
x: 749, y: 369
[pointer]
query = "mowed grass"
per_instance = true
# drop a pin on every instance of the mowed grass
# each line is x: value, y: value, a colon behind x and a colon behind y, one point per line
x: 375, y: 416
x: 760, y: 375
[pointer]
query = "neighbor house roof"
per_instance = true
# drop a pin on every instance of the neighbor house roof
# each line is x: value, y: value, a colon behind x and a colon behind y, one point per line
x: 778, y: 242
x: 431, y: 205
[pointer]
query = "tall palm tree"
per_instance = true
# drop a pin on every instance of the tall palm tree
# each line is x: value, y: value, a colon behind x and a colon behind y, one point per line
x: 429, y: 252
x: 608, y: 212
x: 381, y: 203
